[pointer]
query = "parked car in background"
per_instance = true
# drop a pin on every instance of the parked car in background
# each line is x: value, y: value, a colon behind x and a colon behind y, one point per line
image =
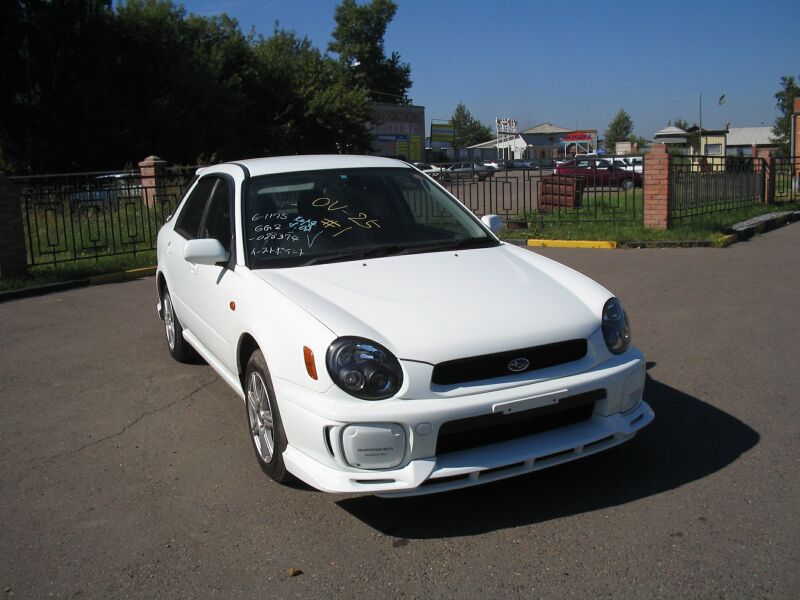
x: 617, y: 161
x: 540, y: 163
x: 107, y: 191
x: 498, y: 164
x: 475, y: 171
x: 599, y: 173
x: 547, y: 163
x: 521, y: 163
x: 337, y: 296
x: 634, y: 163
x: 429, y: 169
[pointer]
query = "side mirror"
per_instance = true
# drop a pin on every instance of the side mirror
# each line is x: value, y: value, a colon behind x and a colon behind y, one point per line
x: 205, y: 251
x: 493, y: 222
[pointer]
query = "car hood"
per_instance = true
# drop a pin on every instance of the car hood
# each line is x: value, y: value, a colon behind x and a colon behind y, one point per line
x: 444, y: 305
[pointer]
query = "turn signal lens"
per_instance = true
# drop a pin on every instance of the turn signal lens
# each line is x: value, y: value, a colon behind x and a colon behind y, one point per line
x: 311, y: 366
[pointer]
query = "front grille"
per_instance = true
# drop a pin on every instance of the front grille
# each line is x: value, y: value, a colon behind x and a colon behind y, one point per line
x: 489, y: 366
x: 475, y: 432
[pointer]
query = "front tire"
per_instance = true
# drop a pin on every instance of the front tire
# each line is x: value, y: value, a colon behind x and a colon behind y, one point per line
x: 627, y: 184
x: 179, y: 348
x: 264, y: 419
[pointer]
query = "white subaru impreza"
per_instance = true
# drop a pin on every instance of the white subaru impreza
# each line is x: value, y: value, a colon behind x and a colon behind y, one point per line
x: 382, y: 338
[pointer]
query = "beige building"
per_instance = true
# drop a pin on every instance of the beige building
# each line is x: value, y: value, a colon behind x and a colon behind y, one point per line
x: 693, y: 141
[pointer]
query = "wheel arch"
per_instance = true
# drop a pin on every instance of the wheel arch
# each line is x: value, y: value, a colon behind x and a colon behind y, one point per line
x: 247, y: 345
x: 161, y: 284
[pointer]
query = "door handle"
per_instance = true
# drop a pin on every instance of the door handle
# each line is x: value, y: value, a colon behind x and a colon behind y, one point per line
x: 169, y: 247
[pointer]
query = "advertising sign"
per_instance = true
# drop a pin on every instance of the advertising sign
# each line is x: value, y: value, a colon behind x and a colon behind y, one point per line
x: 402, y: 148
x: 507, y: 125
x: 577, y: 136
x: 415, y: 146
x: 443, y: 131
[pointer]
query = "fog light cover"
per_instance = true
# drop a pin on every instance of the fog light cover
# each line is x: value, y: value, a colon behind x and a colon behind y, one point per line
x: 374, y: 446
x: 632, y: 390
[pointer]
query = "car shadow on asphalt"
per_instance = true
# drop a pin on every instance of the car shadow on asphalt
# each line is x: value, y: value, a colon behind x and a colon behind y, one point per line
x: 688, y: 440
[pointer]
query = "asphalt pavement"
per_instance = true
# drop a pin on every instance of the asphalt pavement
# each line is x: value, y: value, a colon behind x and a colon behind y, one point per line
x: 126, y: 474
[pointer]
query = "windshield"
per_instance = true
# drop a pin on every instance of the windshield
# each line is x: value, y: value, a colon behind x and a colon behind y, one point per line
x: 310, y: 217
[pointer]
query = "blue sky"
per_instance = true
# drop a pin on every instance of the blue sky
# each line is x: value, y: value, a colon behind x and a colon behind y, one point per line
x: 574, y: 63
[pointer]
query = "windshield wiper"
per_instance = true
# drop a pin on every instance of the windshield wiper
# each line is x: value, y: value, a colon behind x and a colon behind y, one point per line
x: 397, y: 249
x: 373, y: 252
x: 458, y: 244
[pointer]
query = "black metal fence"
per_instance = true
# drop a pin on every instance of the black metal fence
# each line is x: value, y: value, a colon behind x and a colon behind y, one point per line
x: 787, y: 179
x: 535, y: 197
x: 85, y: 216
x: 702, y: 185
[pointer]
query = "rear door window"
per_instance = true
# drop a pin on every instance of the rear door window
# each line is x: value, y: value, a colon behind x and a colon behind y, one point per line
x: 188, y: 222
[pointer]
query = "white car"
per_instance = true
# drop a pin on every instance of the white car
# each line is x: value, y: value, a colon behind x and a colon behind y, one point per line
x: 429, y: 169
x: 634, y: 163
x: 382, y: 338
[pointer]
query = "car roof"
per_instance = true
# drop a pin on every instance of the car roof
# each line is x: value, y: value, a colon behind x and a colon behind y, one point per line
x: 311, y: 162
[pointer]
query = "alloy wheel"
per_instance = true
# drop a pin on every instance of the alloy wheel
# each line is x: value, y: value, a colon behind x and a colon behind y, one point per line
x: 259, y: 414
x: 169, y: 322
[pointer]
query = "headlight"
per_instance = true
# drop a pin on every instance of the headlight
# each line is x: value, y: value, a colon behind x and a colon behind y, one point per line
x: 616, y: 329
x: 364, y: 369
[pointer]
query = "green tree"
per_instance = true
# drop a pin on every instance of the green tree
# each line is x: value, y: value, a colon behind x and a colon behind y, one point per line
x: 358, y: 42
x: 311, y: 108
x: 53, y: 73
x: 620, y: 129
x: 468, y: 130
x: 186, y: 82
x: 785, y: 104
x: 679, y: 123
x: 89, y: 87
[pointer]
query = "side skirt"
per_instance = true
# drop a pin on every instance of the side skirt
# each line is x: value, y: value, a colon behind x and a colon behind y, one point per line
x: 230, y: 378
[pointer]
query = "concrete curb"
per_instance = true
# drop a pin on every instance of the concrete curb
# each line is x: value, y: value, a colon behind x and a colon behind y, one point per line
x: 41, y: 290
x: 740, y: 232
x: 121, y: 276
x: 764, y: 223
x: 669, y: 244
x: 604, y: 245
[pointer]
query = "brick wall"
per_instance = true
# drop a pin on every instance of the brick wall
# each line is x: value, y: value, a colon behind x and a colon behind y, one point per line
x: 13, y: 255
x: 765, y: 195
x: 656, y: 188
x: 152, y: 171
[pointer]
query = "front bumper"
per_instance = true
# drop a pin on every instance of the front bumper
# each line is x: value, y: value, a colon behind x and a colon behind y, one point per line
x: 313, y: 429
x: 479, y: 465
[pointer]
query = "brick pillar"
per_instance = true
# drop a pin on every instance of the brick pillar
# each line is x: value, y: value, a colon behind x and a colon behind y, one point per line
x: 656, y: 188
x: 769, y: 174
x: 152, y: 170
x: 13, y: 253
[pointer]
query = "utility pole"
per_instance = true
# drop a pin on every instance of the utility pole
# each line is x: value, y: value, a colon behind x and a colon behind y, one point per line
x: 700, y: 139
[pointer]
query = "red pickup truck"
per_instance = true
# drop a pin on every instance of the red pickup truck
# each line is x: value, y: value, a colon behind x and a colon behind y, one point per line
x: 599, y: 173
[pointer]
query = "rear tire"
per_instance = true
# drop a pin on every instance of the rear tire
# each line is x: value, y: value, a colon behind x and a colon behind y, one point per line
x: 627, y: 184
x: 264, y: 419
x: 178, y: 347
